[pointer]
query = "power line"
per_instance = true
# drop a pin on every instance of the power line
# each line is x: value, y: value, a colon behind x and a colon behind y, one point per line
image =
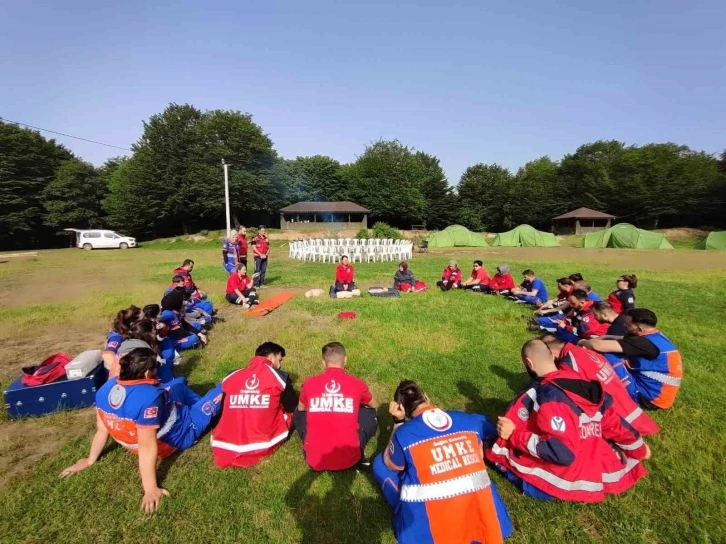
x: 66, y: 135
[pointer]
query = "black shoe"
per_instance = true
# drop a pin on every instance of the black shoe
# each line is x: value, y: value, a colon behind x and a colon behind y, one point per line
x: 364, y: 465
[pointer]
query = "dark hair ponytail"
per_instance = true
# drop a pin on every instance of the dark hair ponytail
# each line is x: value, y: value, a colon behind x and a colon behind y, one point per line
x: 136, y: 363
x: 632, y: 280
x: 125, y: 318
x: 145, y: 330
x: 409, y: 395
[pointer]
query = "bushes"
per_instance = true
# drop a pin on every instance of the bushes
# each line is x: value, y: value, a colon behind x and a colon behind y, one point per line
x: 362, y: 234
x: 382, y: 230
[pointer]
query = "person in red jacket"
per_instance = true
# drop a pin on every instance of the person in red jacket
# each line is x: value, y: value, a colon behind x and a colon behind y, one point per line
x: 580, y: 323
x: 240, y: 289
x: 450, y: 277
x: 591, y: 365
x: 344, y: 273
x: 336, y: 416
x: 623, y: 298
x: 502, y: 282
x: 257, y: 413
x: 242, y: 245
x: 479, y: 279
x: 562, y: 438
x: 185, y: 271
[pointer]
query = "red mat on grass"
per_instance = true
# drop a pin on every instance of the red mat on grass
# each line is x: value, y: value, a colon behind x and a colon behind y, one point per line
x: 265, y: 307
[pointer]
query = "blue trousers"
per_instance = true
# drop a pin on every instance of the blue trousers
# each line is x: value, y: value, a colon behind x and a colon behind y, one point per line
x: 187, y: 342
x: 260, y: 272
x: 567, y: 336
x: 529, y: 299
x: 617, y: 361
x: 230, y: 267
x: 197, y: 412
x: 549, y: 322
x: 204, y: 305
x: 165, y: 372
x: 528, y: 489
x: 389, y: 482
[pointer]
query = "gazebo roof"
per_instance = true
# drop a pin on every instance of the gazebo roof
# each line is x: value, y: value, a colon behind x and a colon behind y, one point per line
x: 325, y: 207
x: 585, y: 213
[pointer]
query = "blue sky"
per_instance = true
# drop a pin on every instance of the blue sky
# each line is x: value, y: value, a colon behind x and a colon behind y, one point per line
x: 470, y: 82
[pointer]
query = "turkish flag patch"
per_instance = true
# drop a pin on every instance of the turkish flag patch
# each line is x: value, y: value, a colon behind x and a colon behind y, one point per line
x: 151, y: 412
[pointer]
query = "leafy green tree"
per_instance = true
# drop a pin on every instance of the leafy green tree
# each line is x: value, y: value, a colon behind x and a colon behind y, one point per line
x: 28, y: 163
x: 318, y: 178
x: 388, y: 179
x: 536, y: 197
x: 485, y: 192
x: 74, y: 197
x: 441, y: 201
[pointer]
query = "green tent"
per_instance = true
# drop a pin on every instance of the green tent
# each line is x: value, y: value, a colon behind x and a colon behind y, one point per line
x: 625, y: 235
x: 456, y: 236
x: 525, y: 236
x: 715, y: 240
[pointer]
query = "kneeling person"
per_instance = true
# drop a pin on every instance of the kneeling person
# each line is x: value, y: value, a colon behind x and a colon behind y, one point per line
x: 336, y: 415
x: 344, y: 280
x: 239, y: 288
x: 258, y: 405
x: 147, y: 419
x: 433, y: 475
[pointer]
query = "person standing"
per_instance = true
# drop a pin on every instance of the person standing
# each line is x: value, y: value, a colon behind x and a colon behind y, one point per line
x: 242, y: 245
x: 336, y: 416
x: 257, y: 415
x: 230, y: 255
x: 261, y: 251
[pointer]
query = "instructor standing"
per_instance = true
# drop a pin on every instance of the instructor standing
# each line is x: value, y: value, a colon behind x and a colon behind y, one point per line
x: 260, y: 250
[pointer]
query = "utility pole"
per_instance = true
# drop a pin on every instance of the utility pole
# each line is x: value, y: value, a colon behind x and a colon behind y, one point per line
x: 226, y: 195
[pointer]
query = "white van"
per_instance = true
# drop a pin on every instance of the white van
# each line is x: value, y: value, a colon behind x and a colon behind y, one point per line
x: 101, y: 239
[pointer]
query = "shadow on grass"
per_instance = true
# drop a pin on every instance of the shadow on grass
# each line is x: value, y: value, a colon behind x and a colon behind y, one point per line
x: 340, y: 516
x: 517, y: 381
x: 479, y: 405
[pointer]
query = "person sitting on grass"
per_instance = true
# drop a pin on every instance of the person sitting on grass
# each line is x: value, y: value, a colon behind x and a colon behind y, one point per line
x: 185, y: 271
x: 230, y: 253
x: 191, y: 303
x: 532, y: 290
x: 623, y: 298
x: 336, y: 416
x: 344, y: 272
x: 580, y: 322
x: 258, y: 405
x: 647, y: 362
x: 585, y: 286
x: 121, y: 325
x: 240, y: 290
x: 148, y: 419
x: 606, y: 314
x: 433, y: 476
x: 502, y: 282
x: 450, y: 277
x: 549, y: 313
x: 563, y: 439
x: 404, y: 280
x: 479, y: 279
x: 143, y: 334
x: 172, y: 315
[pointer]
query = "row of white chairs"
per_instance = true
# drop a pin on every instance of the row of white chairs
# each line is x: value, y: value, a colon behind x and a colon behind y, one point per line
x: 331, y: 250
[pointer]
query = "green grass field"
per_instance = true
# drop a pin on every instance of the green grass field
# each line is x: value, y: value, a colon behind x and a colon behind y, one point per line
x: 463, y: 348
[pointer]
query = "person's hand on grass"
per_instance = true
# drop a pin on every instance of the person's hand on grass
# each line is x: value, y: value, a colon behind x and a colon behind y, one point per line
x: 396, y: 410
x: 203, y: 338
x: 505, y: 427
x: 81, y: 464
x: 151, y: 500
x: 647, y: 453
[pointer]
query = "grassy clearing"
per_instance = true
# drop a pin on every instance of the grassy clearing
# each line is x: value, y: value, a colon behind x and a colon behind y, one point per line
x: 462, y: 347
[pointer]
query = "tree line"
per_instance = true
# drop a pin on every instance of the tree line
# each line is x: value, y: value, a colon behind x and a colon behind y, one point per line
x: 172, y: 183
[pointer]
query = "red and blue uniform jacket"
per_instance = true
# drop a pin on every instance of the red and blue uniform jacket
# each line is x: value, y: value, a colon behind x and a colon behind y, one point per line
x: 173, y: 322
x: 344, y: 273
x: 622, y: 300
x: 582, y: 322
x: 189, y: 284
x: 453, y: 276
x: 125, y: 405
x: 262, y: 244
x: 253, y: 422
x: 590, y: 365
x: 569, y: 441
x: 501, y: 282
x: 232, y: 251
x: 113, y: 341
x: 445, y: 491
x: 659, y: 379
x: 242, y: 247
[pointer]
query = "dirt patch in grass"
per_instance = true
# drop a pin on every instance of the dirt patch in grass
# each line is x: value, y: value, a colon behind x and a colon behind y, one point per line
x: 23, y: 443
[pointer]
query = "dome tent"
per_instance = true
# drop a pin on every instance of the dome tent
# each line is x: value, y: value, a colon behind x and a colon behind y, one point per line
x: 625, y: 235
x: 715, y: 240
x: 456, y: 236
x: 525, y: 236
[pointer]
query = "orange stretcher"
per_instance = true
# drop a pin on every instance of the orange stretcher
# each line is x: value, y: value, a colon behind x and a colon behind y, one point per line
x: 266, y: 306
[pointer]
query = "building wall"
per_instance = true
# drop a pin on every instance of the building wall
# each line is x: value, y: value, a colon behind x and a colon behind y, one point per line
x: 322, y: 225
